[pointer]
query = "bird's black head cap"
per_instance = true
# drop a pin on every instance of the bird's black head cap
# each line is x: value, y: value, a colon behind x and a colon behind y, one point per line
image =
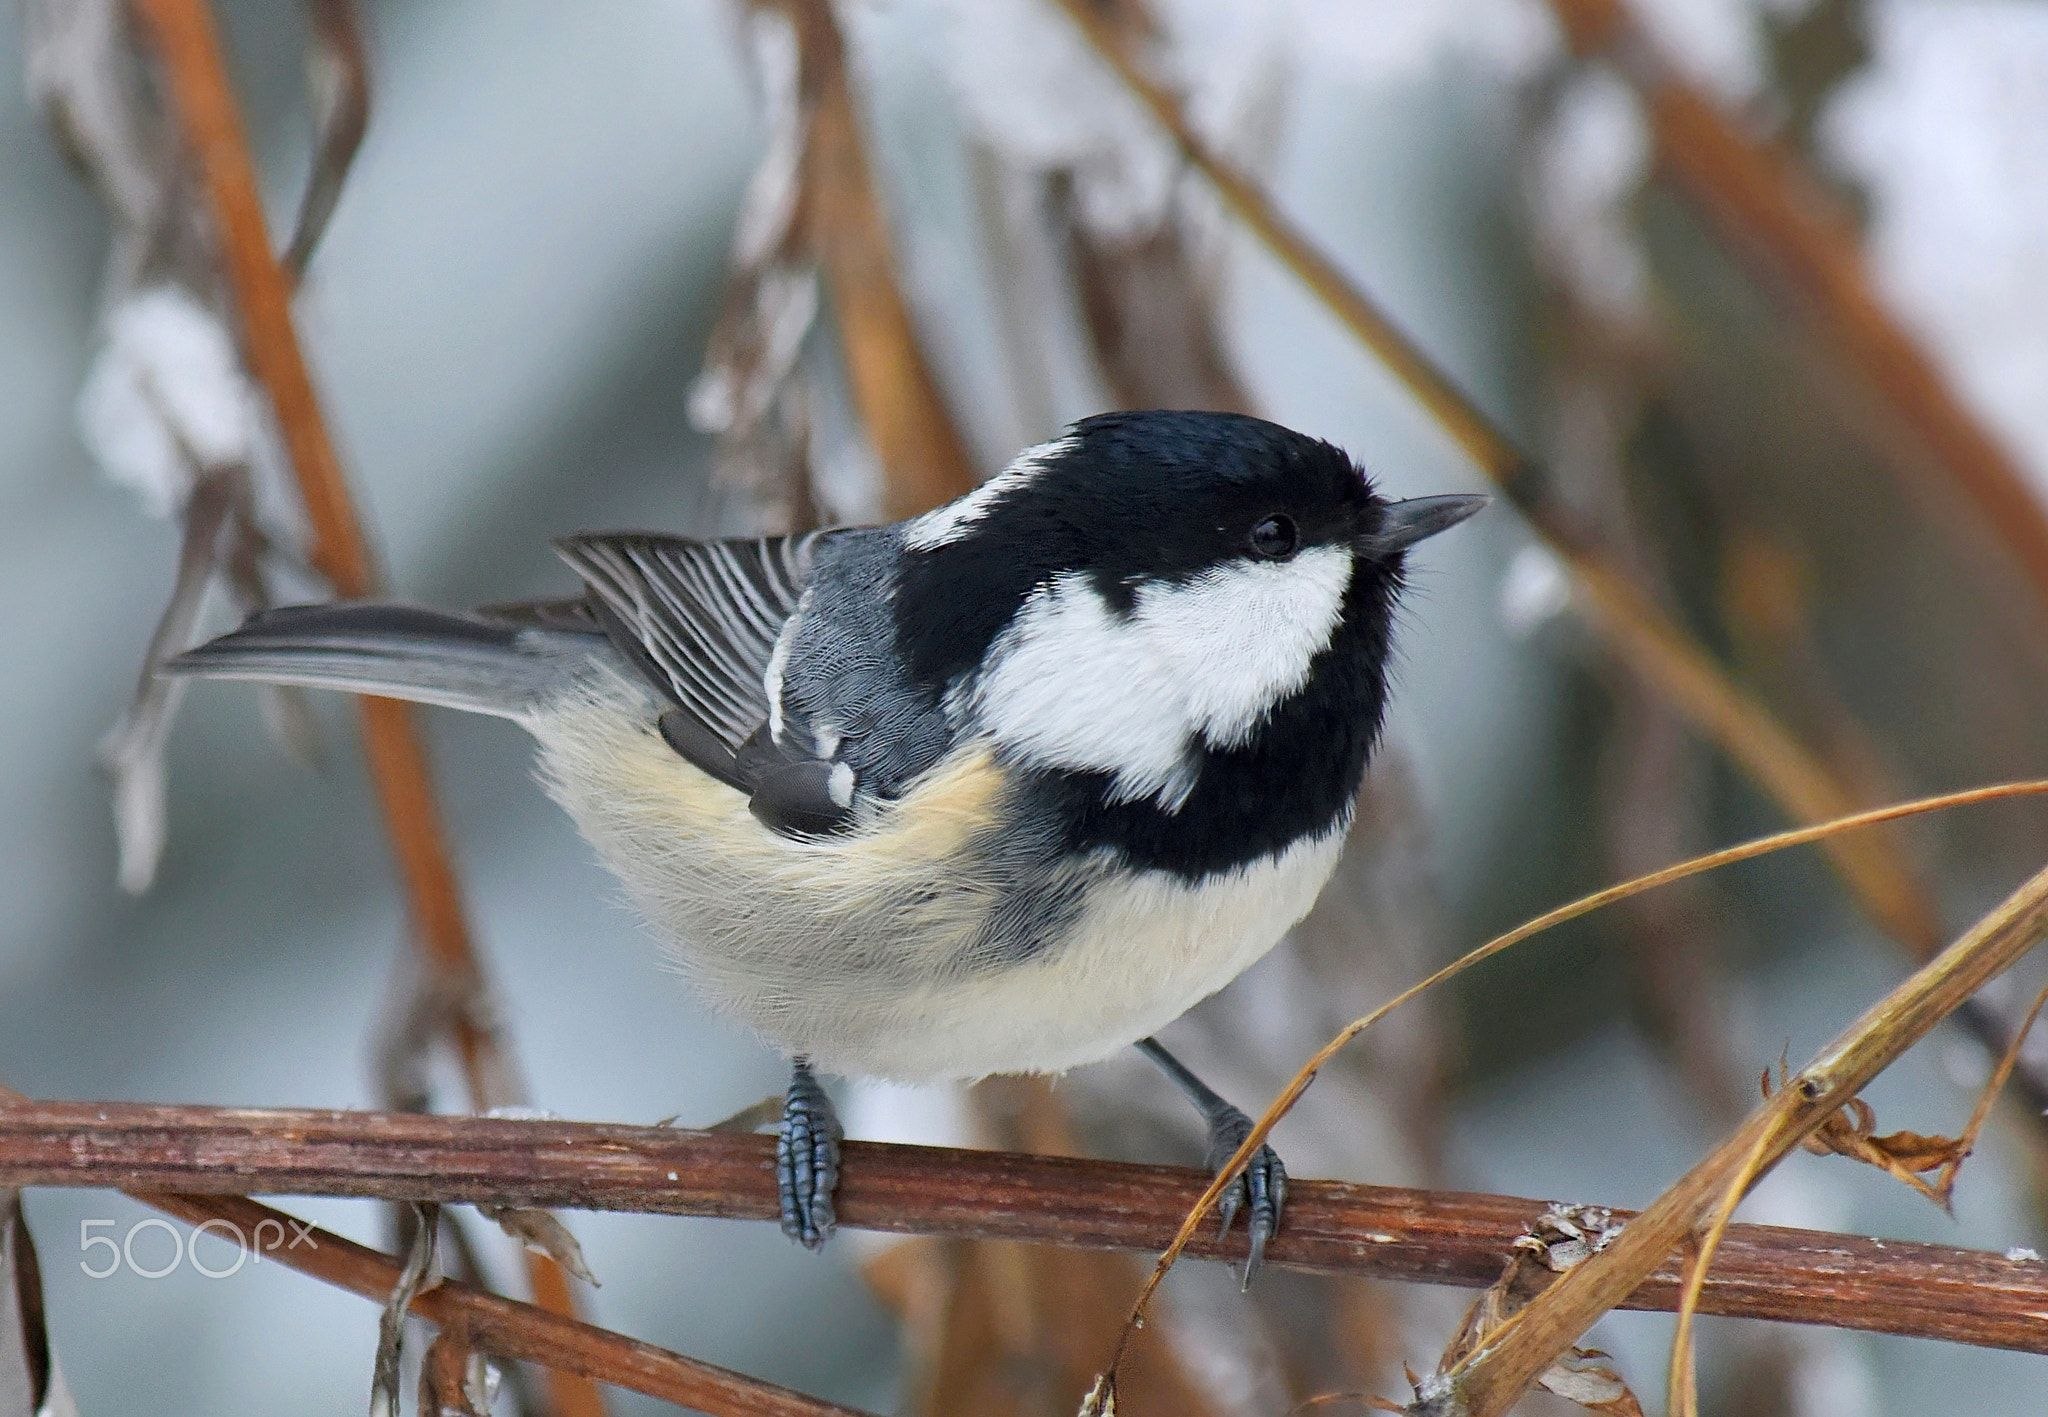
x: 1123, y: 498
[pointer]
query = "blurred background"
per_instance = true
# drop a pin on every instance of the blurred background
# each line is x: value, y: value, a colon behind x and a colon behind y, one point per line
x: 599, y: 266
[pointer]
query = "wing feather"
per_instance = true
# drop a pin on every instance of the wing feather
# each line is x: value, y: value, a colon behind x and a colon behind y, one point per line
x: 701, y: 620
x: 699, y: 617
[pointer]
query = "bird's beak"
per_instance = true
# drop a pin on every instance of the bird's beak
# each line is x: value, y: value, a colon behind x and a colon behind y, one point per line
x: 1419, y: 517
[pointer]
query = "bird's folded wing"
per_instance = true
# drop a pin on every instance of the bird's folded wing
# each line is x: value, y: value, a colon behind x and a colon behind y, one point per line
x: 700, y: 619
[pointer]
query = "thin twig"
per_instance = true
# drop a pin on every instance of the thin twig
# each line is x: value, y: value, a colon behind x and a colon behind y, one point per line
x: 485, y: 1321
x: 1892, y: 1286
x: 1192, y: 1223
x: 200, y: 93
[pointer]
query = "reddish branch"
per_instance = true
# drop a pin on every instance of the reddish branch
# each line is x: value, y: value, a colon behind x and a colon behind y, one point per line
x: 196, y: 82
x: 198, y: 91
x: 503, y: 1328
x: 1891, y: 1286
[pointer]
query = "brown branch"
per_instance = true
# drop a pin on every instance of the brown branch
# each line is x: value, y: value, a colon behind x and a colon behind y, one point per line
x: 1632, y: 626
x: 1795, y: 1276
x: 1772, y: 214
x: 501, y: 1327
x: 202, y: 97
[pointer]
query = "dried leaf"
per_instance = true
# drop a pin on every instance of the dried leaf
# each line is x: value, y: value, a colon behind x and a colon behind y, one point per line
x: 168, y: 412
x: 83, y: 74
x: 1907, y: 1157
x: 455, y: 1379
x: 132, y: 753
x: 338, y: 82
x: 748, y: 393
x: 1561, y: 1238
x: 166, y: 408
x: 30, y: 1383
x: 541, y: 1232
x: 902, y: 410
x: 1583, y: 1376
x: 1101, y: 1399
x: 418, y: 1276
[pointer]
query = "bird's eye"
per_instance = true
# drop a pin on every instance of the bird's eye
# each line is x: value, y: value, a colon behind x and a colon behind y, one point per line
x: 1276, y: 538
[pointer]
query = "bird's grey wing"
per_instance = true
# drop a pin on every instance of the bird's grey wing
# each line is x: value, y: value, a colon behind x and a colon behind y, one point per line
x: 700, y: 619
x: 575, y: 615
x: 845, y: 685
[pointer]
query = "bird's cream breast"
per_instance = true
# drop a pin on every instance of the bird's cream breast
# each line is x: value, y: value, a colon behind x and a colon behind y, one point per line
x: 863, y: 951
x: 1146, y: 947
x: 790, y: 935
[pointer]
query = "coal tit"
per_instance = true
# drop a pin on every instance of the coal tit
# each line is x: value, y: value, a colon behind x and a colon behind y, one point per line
x: 1002, y: 788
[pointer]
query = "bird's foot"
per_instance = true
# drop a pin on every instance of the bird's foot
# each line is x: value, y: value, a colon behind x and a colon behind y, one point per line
x: 807, y: 1160
x: 1260, y: 1191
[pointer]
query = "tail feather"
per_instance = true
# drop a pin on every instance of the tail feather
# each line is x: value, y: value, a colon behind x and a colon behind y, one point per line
x: 394, y: 651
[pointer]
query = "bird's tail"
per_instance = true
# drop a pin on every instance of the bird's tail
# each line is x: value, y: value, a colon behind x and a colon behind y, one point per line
x: 399, y: 652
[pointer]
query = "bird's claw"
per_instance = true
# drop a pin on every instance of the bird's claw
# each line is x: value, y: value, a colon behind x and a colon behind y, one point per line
x: 1260, y: 1190
x: 807, y: 1161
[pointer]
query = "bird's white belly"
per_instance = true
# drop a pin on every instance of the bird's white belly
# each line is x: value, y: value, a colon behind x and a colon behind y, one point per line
x: 1146, y: 949
x: 860, y: 952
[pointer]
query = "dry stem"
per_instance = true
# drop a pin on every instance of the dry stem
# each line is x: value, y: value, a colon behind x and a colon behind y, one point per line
x: 480, y: 1320
x: 924, y: 459
x: 504, y: 1328
x: 1490, y: 1382
x: 1191, y: 1224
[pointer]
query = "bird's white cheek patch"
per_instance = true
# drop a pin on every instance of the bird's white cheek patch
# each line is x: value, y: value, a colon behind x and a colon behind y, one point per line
x: 1074, y: 684
x: 1240, y: 638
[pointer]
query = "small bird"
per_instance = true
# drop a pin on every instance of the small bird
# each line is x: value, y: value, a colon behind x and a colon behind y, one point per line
x: 1002, y: 788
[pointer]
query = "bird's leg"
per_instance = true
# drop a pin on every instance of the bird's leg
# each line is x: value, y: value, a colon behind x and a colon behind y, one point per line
x: 1261, y: 1191
x: 807, y: 1159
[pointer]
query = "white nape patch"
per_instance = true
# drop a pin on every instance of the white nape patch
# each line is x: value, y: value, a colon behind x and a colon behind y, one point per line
x: 943, y: 525
x: 1073, y: 684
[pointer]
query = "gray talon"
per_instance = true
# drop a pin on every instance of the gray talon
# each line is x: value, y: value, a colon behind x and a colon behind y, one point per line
x: 1260, y: 1191
x: 807, y: 1160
